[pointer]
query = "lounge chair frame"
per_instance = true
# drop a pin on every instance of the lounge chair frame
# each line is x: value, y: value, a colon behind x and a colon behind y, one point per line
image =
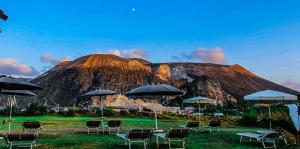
x: 20, y: 140
x: 213, y: 124
x: 32, y: 125
x: 175, y: 135
x: 193, y: 125
x: 262, y: 138
x: 114, y: 124
x: 136, y: 136
x: 93, y: 124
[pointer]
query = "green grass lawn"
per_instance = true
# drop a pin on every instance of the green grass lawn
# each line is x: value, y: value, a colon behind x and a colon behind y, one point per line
x: 60, y: 132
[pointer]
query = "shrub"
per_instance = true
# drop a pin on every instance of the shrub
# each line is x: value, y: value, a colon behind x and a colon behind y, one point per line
x: 249, y: 119
x: 70, y: 112
x: 37, y: 108
x: 124, y: 113
x: 106, y: 112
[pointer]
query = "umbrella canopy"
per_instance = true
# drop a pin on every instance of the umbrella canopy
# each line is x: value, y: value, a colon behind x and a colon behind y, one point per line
x: 100, y: 93
x: 200, y: 100
x: 18, y: 92
x: 271, y: 96
x: 10, y: 83
x: 160, y: 89
x: 155, y: 90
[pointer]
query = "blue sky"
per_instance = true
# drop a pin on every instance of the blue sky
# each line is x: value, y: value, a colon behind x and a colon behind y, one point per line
x: 263, y: 36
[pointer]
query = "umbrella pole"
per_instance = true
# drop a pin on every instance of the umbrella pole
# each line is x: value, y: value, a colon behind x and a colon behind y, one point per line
x: 101, y: 107
x: 0, y: 94
x: 10, y: 113
x: 270, y: 118
x: 155, y: 113
x: 199, y: 111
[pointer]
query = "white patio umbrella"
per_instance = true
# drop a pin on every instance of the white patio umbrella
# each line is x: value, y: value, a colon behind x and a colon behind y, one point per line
x: 200, y: 100
x: 155, y: 90
x: 270, y: 97
x: 100, y: 93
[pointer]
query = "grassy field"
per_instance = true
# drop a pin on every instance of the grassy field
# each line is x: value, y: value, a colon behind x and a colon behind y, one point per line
x: 67, y: 132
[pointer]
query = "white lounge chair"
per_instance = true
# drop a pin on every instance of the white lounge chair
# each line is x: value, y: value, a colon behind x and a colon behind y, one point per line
x: 194, y: 125
x: 136, y: 135
x: 114, y: 125
x: 213, y: 124
x: 175, y: 135
x: 20, y: 140
x: 264, y: 138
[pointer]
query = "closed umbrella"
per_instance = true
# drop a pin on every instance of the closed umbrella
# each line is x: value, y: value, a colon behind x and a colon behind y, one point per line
x: 199, y: 100
x: 155, y: 90
x: 270, y: 97
x: 13, y: 93
x: 100, y: 93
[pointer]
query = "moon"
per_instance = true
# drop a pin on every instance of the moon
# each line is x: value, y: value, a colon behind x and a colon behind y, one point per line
x: 133, y: 9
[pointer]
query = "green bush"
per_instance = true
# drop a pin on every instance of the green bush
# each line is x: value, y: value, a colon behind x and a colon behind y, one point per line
x: 37, y: 108
x: 249, y: 119
x: 70, y: 112
x: 106, y: 112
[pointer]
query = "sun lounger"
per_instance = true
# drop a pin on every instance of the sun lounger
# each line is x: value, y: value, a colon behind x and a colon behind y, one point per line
x: 194, y: 125
x: 20, y: 140
x: 264, y: 138
x: 213, y: 124
x: 94, y: 124
x: 34, y: 125
x: 114, y: 124
x: 175, y: 135
x: 281, y: 136
x: 136, y: 135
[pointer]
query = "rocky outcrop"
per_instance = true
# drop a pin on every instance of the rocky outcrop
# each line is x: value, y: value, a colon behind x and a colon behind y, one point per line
x: 65, y: 82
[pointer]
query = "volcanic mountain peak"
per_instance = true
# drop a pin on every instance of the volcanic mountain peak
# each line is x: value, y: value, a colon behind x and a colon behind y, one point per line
x: 240, y: 69
x: 95, y: 61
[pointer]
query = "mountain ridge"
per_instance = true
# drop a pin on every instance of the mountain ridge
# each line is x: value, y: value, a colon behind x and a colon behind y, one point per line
x: 65, y: 82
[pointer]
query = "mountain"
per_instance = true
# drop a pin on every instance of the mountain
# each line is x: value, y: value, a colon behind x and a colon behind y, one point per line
x: 65, y: 82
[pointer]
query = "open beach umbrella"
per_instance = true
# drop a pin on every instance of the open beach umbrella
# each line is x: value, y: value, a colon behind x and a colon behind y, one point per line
x: 13, y: 93
x: 155, y: 90
x: 9, y: 83
x: 270, y: 97
x: 100, y: 93
x: 18, y: 92
x: 160, y: 89
x: 200, y: 100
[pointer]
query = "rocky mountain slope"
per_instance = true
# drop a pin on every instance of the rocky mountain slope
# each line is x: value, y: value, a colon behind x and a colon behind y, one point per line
x: 65, y: 82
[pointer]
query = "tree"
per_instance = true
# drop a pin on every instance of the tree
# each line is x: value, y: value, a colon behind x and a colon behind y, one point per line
x: 3, y: 16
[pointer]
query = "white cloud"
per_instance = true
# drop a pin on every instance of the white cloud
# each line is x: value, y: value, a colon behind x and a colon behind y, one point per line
x: 202, y: 55
x: 131, y: 53
x: 292, y: 85
x: 48, y: 58
x: 11, y: 66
